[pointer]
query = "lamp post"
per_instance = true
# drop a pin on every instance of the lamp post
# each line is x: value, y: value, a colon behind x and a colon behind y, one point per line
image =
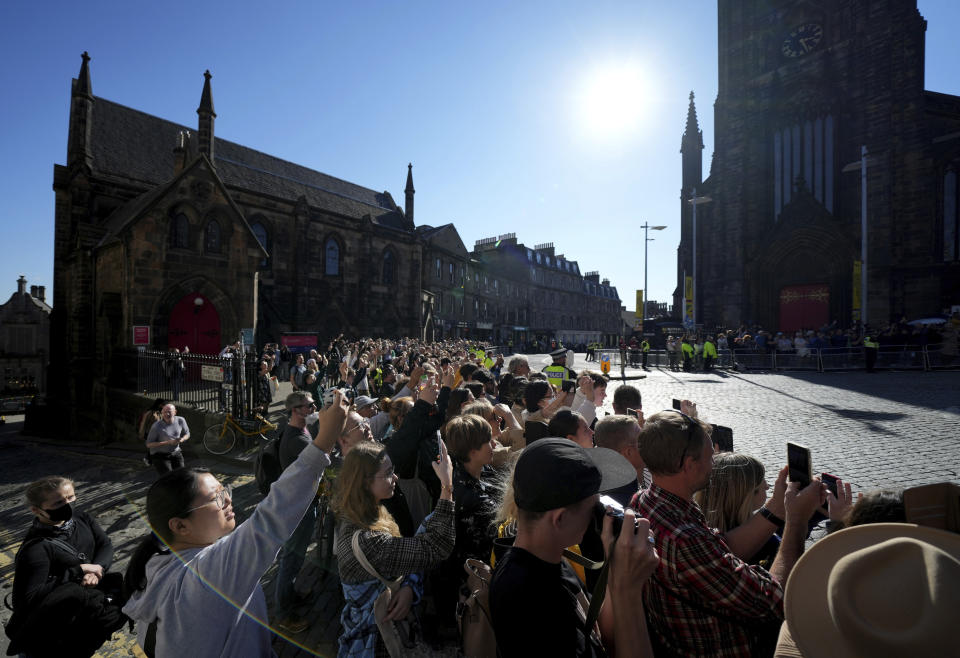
x: 646, y: 291
x: 695, y: 201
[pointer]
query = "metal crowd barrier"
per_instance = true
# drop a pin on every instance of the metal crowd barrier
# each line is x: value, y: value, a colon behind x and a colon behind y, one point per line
x: 938, y: 360
x: 810, y: 360
x: 901, y: 357
x: 841, y: 358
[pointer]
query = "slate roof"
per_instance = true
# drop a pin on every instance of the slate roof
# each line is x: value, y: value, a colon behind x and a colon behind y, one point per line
x: 132, y: 144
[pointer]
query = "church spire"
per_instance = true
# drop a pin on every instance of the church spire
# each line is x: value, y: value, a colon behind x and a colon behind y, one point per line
x: 408, y: 192
x: 691, y: 147
x: 207, y: 115
x: 79, y: 151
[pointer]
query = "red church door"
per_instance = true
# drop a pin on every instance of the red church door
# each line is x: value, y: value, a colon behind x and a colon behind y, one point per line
x: 804, y: 307
x: 195, y: 323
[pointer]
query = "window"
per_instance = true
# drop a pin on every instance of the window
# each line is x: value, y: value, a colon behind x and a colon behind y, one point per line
x: 461, y: 307
x: 450, y: 272
x: 951, y: 218
x: 211, y: 237
x: 476, y: 279
x: 439, y: 268
x: 804, y: 153
x: 260, y: 232
x: 440, y: 300
x: 331, y: 258
x: 180, y: 232
x: 389, y: 276
x: 461, y: 276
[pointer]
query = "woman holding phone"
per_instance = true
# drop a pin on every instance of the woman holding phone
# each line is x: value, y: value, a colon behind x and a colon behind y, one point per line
x: 368, y: 533
x: 195, y: 580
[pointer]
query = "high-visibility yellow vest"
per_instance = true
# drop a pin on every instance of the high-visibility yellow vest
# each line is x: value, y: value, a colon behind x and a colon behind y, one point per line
x: 555, y: 375
x: 709, y: 350
x: 868, y: 342
x: 687, y: 348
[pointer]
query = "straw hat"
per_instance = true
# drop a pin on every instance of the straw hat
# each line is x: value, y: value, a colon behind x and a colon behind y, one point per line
x: 883, y: 589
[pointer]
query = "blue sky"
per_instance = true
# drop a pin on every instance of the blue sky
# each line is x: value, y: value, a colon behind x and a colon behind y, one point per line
x: 489, y: 101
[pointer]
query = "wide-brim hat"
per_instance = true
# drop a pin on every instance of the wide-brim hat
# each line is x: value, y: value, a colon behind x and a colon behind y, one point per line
x: 882, y: 589
x: 558, y: 353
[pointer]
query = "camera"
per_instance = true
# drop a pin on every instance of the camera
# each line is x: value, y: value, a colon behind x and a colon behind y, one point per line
x: 615, y: 511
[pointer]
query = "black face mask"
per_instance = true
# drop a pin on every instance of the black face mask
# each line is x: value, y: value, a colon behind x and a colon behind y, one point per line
x: 62, y: 513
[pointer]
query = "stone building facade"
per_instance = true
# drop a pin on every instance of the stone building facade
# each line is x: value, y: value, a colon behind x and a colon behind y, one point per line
x: 25, y: 340
x: 508, y: 293
x: 803, y: 84
x: 184, y: 239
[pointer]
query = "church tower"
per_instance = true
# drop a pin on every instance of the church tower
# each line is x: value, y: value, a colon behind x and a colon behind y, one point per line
x: 79, y: 151
x: 691, y: 147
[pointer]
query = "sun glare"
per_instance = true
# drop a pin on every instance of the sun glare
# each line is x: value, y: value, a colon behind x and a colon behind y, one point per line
x: 611, y: 100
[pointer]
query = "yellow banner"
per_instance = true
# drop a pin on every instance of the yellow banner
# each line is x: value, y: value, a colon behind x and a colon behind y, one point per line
x: 639, y: 311
x: 688, y: 289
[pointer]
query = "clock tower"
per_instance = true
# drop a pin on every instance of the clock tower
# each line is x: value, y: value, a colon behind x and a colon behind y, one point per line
x: 803, y: 84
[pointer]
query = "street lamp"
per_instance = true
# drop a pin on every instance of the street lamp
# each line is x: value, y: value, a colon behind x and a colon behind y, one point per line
x: 646, y: 291
x: 695, y: 201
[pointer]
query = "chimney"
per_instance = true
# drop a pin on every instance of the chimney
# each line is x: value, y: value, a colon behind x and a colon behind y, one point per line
x: 21, y: 285
x: 33, y: 292
x: 181, y: 151
x: 42, y: 290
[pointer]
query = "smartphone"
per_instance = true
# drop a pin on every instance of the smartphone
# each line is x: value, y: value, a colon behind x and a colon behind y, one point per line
x: 723, y: 438
x: 634, y: 413
x: 830, y: 481
x: 568, y: 385
x: 676, y: 404
x: 798, y: 459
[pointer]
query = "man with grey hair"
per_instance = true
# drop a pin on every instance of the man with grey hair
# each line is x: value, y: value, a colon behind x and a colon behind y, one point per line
x: 621, y: 433
x: 519, y: 366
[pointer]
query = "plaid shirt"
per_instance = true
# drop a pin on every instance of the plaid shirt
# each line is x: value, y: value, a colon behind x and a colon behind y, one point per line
x: 697, y: 575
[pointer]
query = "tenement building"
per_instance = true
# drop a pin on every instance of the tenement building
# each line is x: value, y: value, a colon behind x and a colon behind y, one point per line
x: 171, y: 237
x: 25, y: 340
x: 803, y: 86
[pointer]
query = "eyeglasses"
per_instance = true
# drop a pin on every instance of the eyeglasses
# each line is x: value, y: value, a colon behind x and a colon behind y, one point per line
x: 220, y: 498
x: 691, y: 433
x: 364, y: 425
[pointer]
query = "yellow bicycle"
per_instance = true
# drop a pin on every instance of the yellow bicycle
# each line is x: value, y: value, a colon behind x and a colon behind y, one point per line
x: 219, y: 439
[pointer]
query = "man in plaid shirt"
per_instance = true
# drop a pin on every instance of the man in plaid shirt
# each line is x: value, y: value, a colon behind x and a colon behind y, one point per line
x: 703, y: 600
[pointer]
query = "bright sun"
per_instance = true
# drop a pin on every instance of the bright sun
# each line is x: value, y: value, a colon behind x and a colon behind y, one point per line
x: 611, y: 100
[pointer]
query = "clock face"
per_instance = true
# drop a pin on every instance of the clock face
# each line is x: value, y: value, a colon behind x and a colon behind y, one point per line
x: 802, y: 40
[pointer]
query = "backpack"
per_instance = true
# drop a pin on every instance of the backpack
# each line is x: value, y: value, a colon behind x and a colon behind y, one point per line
x: 266, y: 465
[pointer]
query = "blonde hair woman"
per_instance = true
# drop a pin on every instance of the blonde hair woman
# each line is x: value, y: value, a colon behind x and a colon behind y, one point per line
x: 367, y: 479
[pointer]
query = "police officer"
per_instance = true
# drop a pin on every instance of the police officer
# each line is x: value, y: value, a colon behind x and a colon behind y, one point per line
x: 558, y: 372
x: 645, y: 350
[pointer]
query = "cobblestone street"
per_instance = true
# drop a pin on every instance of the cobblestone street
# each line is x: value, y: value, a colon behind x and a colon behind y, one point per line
x: 891, y: 428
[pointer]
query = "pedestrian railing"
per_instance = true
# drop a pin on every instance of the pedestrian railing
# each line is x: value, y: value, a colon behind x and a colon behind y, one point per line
x: 901, y: 357
x: 205, y: 381
x: 801, y: 360
x: 937, y: 359
x: 841, y: 358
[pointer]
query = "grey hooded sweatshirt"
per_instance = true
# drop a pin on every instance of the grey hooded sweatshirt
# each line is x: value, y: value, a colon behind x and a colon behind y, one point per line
x: 208, y: 601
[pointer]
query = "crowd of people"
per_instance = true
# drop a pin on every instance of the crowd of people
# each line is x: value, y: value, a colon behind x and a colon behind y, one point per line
x: 433, y: 465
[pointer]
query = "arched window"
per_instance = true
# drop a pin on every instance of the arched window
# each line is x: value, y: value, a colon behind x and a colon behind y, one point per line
x: 331, y: 258
x: 180, y: 232
x: 260, y: 232
x: 389, y: 276
x: 211, y: 237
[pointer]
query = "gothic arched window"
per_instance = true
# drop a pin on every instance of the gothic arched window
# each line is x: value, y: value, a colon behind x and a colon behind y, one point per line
x: 260, y: 231
x: 389, y: 276
x: 211, y: 237
x: 180, y: 232
x: 331, y: 251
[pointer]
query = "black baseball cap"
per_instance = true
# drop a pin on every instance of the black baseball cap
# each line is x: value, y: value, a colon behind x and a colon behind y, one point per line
x: 553, y: 473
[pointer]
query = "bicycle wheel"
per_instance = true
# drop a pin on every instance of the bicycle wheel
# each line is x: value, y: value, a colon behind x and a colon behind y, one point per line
x: 219, y: 439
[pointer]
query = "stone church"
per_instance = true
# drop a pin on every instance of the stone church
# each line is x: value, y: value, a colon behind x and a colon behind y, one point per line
x: 803, y: 85
x: 171, y: 228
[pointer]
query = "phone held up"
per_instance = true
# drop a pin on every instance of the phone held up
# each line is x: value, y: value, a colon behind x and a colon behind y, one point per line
x: 676, y: 404
x: 799, y: 461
